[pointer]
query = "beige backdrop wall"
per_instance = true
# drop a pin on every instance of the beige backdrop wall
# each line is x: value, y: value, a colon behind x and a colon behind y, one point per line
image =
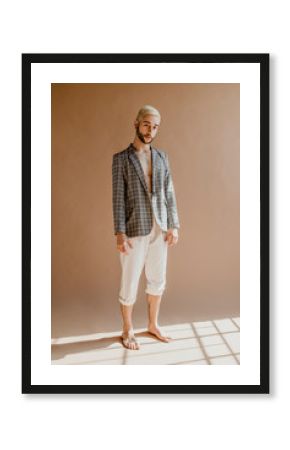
x: 200, y: 132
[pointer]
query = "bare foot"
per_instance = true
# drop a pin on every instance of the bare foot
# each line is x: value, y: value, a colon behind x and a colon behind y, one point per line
x: 129, y: 341
x: 152, y: 329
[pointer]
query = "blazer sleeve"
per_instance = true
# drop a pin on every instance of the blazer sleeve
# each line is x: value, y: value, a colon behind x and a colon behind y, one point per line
x: 118, y: 191
x: 172, y: 214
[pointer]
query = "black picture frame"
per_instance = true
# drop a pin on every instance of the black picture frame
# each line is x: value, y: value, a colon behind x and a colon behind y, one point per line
x: 43, y: 58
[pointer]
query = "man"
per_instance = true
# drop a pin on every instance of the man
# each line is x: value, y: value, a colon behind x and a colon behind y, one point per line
x: 145, y: 221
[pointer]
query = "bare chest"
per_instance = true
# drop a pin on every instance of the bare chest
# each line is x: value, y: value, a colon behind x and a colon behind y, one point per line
x: 145, y: 160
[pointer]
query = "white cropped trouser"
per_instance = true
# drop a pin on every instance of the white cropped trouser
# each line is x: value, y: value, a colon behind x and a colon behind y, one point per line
x: 148, y: 251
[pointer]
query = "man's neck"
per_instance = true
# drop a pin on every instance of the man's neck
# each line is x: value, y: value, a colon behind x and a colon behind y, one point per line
x: 140, y: 146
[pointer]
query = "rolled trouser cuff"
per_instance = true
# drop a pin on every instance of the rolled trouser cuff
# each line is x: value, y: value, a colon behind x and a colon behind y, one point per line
x: 127, y: 302
x: 151, y: 291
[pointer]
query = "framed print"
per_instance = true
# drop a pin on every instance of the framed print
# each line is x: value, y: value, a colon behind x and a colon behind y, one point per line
x: 145, y: 223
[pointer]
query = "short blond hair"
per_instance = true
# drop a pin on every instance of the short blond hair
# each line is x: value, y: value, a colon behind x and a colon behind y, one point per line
x: 147, y: 109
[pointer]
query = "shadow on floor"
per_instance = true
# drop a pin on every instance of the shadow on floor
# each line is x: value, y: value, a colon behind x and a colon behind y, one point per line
x: 207, y: 342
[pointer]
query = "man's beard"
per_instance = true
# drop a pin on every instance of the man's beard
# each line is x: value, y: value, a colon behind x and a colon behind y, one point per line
x: 142, y: 136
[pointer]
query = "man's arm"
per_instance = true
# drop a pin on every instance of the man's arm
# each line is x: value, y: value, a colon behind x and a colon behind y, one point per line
x: 118, y: 185
x: 172, y: 215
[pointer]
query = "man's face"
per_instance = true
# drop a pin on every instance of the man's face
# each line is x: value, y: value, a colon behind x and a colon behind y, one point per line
x: 147, y: 128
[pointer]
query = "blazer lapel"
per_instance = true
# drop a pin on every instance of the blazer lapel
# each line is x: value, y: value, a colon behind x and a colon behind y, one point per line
x: 154, y: 167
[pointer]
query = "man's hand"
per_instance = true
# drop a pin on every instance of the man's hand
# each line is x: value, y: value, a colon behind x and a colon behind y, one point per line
x: 171, y: 236
x: 123, y: 243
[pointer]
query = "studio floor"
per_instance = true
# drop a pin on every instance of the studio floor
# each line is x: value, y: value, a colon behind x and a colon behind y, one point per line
x: 208, y: 342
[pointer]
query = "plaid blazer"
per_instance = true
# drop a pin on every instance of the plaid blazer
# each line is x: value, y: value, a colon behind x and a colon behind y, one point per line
x: 133, y: 206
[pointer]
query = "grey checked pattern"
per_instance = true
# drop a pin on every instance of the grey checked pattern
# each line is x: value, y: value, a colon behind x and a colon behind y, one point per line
x: 133, y: 206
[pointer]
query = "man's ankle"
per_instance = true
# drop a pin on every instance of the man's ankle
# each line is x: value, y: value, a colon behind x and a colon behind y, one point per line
x: 128, y: 330
x: 153, y: 325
